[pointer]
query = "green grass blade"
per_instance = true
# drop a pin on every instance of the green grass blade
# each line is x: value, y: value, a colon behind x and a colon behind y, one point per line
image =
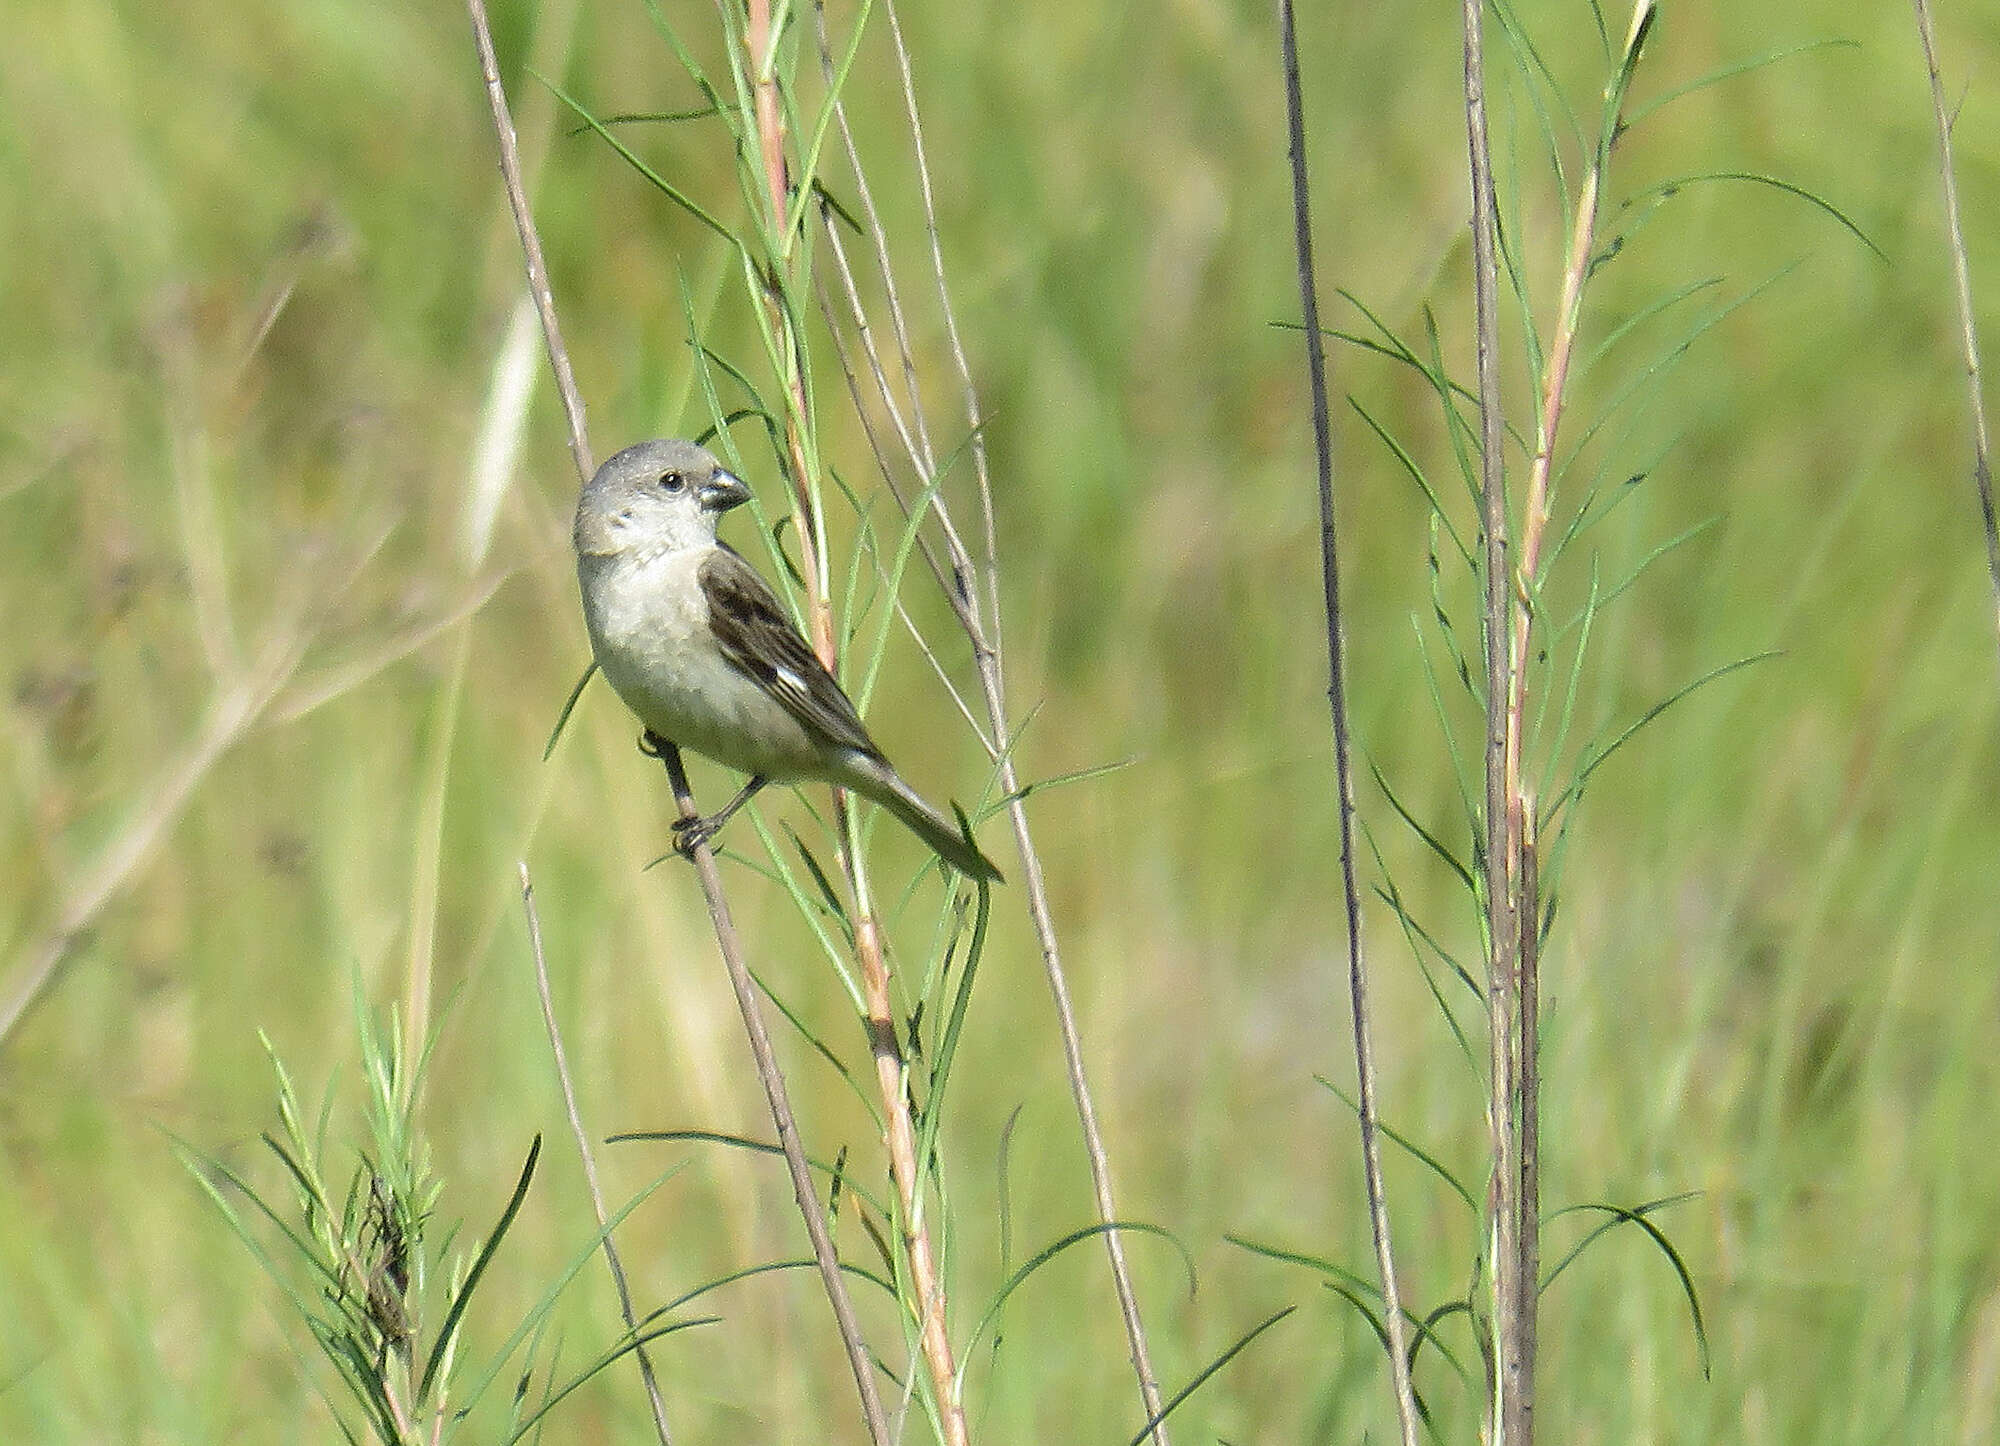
x: 449, y: 1331
x: 1638, y: 1215
x: 1049, y: 1252
x: 1730, y: 72
x: 568, y: 707
x: 1173, y: 1402
x: 1431, y: 840
x: 1411, y: 1147
x: 1665, y: 189
x: 741, y: 1142
x: 1597, y: 759
x: 653, y: 178
x: 1415, y: 470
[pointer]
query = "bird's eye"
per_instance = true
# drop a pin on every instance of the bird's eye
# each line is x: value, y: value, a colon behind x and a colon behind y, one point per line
x: 672, y: 482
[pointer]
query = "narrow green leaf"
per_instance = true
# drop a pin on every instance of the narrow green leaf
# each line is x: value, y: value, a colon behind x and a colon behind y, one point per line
x: 608, y: 1358
x: 772, y: 1267
x: 1059, y: 780
x: 1416, y: 473
x: 1597, y: 759
x: 1172, y: 1403
x: 954, y: 1027
x: 568, y: 707
x: 741, y: 1142
x: 1657, y: 307
x: 1339, y: 1276
x: 1730, y: 72
x: 1411, y: 1147
x: 1637, y: 1215
x: 1049, y: 1252
x: 1431, y: 840
x: 1817, y: 202
x: 630, y: 157
x: 456, y: 1313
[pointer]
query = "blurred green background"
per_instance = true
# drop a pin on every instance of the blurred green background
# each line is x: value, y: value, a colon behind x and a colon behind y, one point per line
x: 254, y: 272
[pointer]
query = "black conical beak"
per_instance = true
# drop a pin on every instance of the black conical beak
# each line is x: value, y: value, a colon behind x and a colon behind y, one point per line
x: 723, y: 491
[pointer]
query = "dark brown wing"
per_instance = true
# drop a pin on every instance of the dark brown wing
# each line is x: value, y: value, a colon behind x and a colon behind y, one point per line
x: 758, y: 637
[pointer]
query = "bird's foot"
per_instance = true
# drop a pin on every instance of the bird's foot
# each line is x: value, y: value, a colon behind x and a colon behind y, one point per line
x: 691, y: 833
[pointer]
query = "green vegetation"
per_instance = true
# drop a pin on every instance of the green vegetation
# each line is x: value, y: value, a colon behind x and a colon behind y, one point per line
x: 255, y: 273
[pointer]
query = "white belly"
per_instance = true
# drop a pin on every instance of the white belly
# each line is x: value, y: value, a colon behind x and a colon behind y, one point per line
x: 648, y: 622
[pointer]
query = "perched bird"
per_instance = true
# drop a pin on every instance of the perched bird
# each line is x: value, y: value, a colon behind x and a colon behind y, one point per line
x: 700, y: 648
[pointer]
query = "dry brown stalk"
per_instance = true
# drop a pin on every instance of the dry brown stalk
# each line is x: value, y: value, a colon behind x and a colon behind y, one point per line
x: 582, y: 1137
x: 1357, y: 974
x: 727, y: 943
x: 957, y: 576
x: 1502, y: 932
x: 1961, y: 274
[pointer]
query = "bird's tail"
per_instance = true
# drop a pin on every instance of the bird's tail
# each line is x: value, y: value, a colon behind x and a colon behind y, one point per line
x: 874, y: 778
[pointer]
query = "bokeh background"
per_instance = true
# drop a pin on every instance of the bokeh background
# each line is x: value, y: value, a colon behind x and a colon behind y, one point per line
x: 255, y: 269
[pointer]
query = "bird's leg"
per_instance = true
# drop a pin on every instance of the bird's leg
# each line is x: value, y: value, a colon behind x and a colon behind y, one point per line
x: 691, y: 833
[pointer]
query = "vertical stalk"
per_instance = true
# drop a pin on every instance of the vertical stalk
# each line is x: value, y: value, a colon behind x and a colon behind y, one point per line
x: 1500, y: 873
x: 981, y: 622
x: 727, y: 943
x: 1512, y: 886
x: 1961, y: 275
x: 1528, y: 1229
x: 884, y: 1046
x: 1357, y: 975
x: 578, y: 1133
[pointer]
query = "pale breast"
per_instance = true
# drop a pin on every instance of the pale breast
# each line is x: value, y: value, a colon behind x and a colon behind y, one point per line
x: 648, y: 624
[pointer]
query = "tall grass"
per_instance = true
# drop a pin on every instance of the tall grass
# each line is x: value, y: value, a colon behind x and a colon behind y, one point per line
x: 1769, y: 983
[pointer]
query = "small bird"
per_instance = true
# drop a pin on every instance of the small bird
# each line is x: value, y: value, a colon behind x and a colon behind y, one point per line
x: 698, y: 646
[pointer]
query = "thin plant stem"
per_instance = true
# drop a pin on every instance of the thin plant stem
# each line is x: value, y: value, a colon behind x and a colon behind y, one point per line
x: 763, y: 82
x: 1515, y: 1028
x: 1529, y: 1275
x: 779, y: 1099
x: 1500, y: 874
x: 727, y: 943
x: 969, y: 394
x: 982, y: 628
x: 531, y: 241
x: 1336, y: 692
x: 589, y: 1157
x: 1961, y: 271
x: 900, y: 1130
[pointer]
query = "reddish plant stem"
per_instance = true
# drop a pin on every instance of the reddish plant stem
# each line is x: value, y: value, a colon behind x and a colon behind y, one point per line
x: 900, y: 1131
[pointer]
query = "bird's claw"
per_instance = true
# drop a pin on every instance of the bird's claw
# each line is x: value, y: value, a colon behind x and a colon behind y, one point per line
x: 691, y: 833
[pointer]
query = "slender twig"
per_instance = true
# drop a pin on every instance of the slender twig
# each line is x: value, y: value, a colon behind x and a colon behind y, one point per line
x: 969, y: 395
x: 589, y: 1157
x: 1982, y: 462
x: 1515, y: 996
x: 981, y: 621
x: 1336, y: 694
x: 531, y: 241
x: 1528, y: 1276
x: 900, y: 1133
x: 910, y: 422
x: 711, y: 880
x: 1500, y: 873
x: 778, y: 1098
x: 233, y: 713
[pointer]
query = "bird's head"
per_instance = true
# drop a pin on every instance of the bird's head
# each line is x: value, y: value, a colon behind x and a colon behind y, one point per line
x: 659, y: 496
